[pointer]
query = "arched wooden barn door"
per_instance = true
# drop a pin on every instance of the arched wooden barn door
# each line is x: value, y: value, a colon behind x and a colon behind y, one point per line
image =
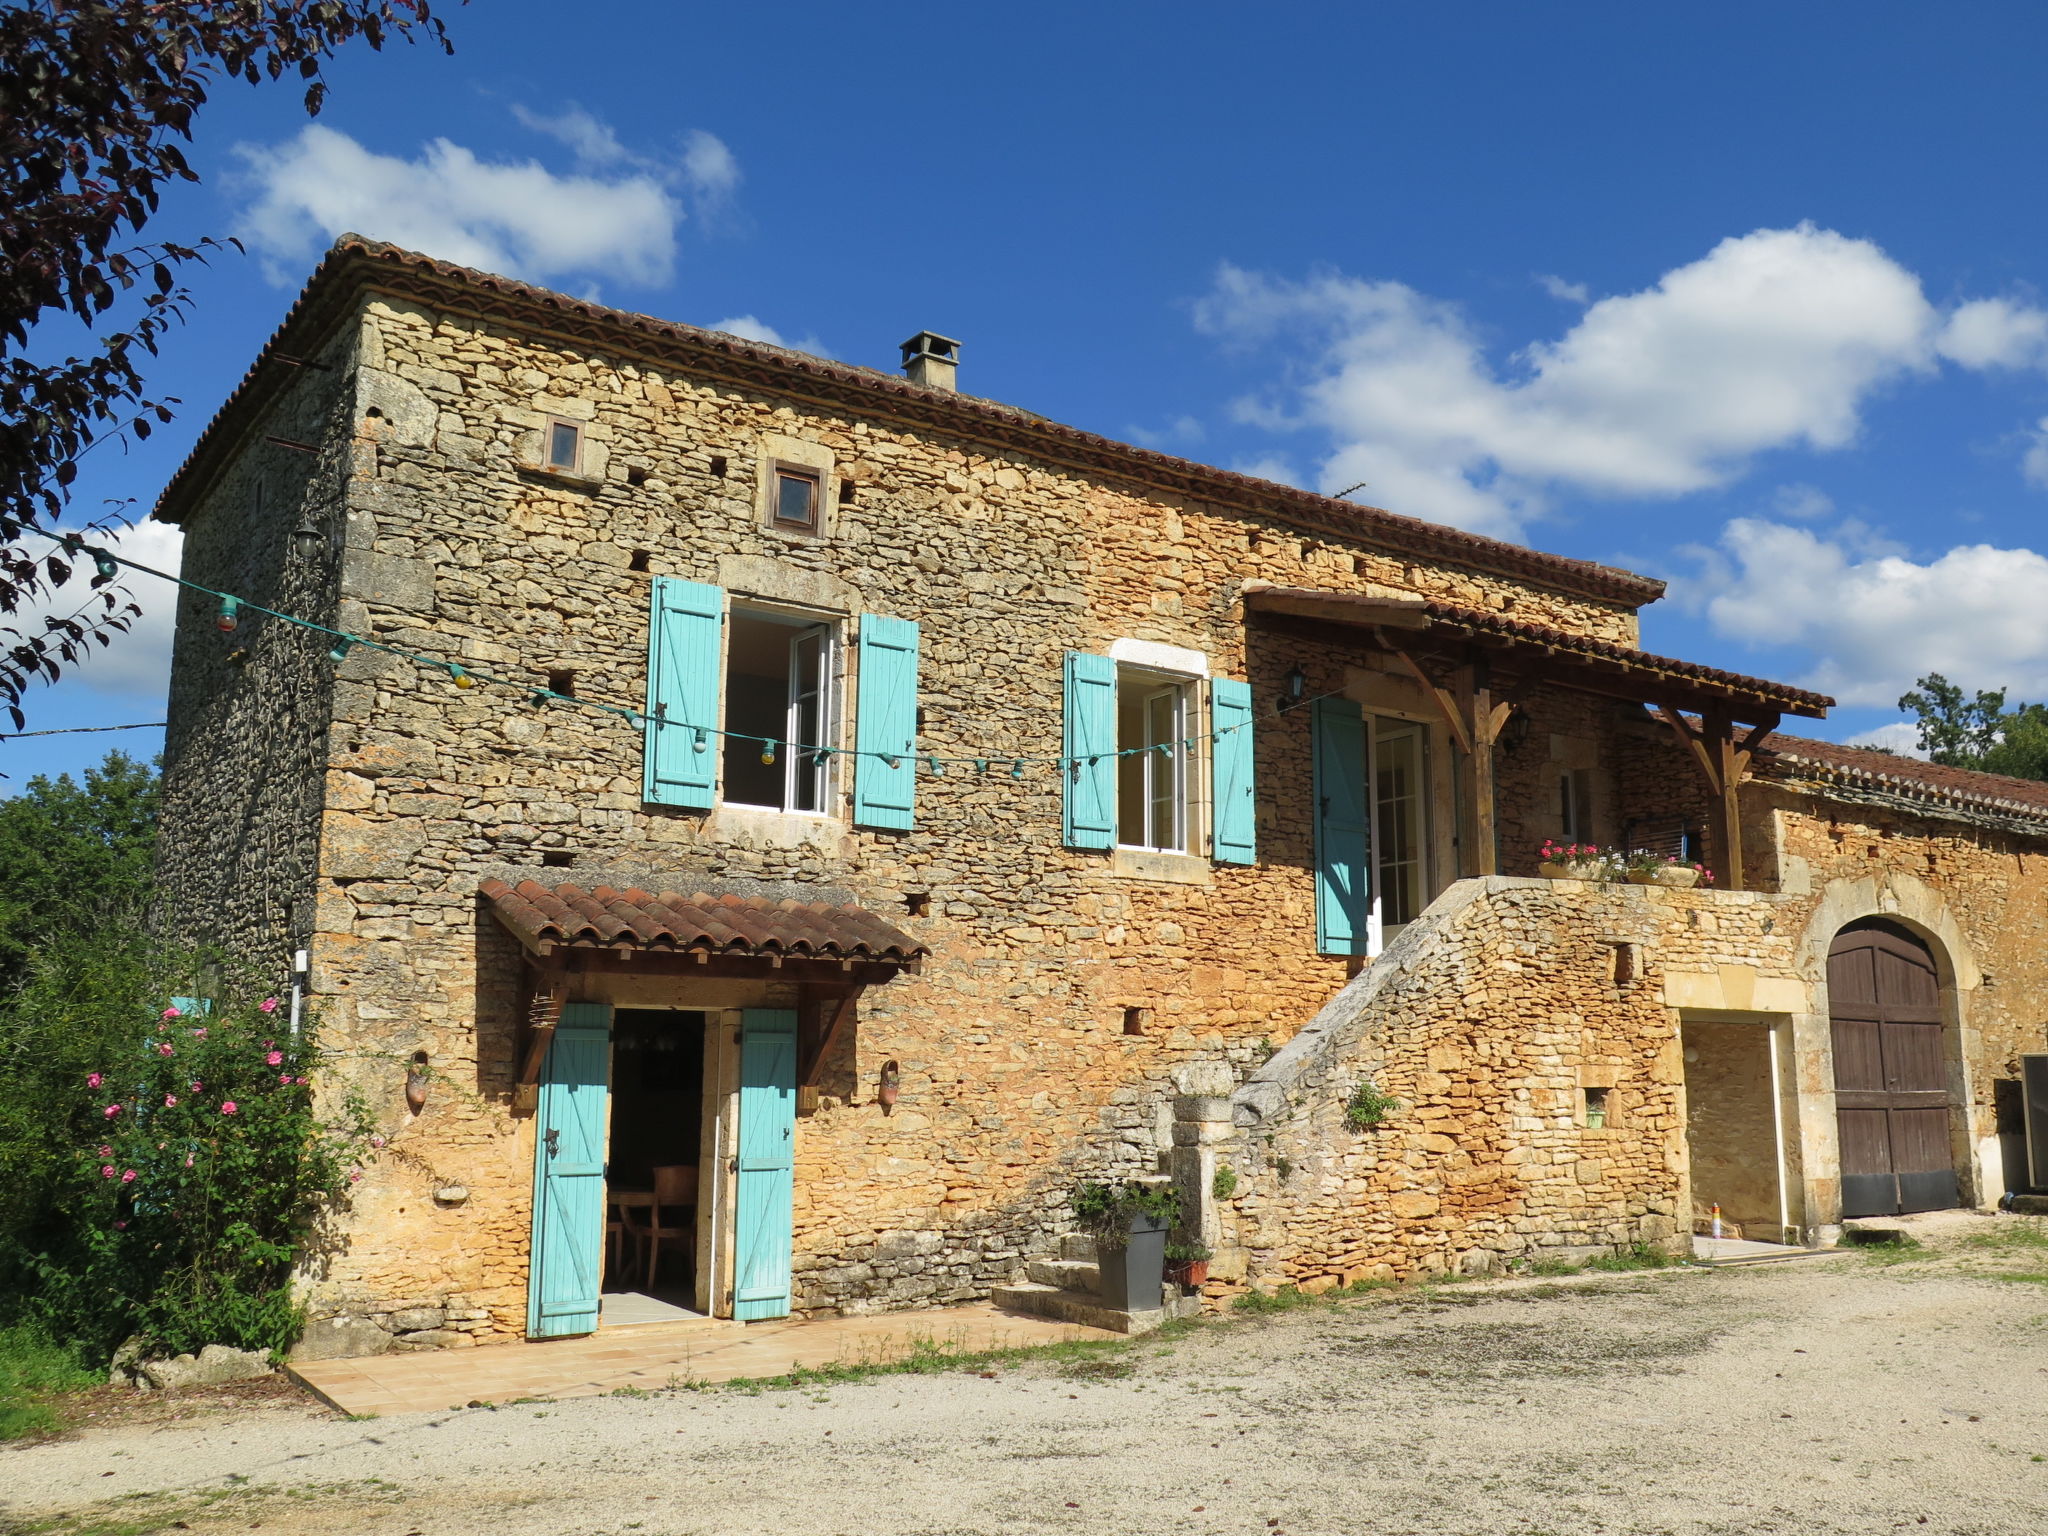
x: 1891, y: 1079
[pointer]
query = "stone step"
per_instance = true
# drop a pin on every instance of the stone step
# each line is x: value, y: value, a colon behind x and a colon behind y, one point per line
x: 1077, y: 1247
x: 1088, y: 1309
x: 1065, y: 1274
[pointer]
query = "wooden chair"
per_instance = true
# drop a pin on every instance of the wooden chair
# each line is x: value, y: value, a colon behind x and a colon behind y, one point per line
x: 671, y: 1216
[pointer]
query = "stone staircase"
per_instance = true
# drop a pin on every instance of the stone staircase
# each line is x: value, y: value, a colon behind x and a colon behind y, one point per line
x: 1068, y: 1289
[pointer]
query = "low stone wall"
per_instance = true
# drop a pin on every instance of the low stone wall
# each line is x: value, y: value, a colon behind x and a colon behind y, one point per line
x: 1488, y: 1021
x: 345, y: 1321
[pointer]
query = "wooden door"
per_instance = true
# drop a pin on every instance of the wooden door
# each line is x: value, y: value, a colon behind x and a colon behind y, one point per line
x: 1892, y: 1099
x: 567, y: 1257
x: 767, y: 1163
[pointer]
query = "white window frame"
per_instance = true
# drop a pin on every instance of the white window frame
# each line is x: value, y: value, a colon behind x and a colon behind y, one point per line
x: 802, y: 627
x: 1176, y: 765
x: 1379, y: 932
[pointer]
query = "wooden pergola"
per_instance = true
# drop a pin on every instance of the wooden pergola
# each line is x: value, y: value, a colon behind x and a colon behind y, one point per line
x: 1470, y: 664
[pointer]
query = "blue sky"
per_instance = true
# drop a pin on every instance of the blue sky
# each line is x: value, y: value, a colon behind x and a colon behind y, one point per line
x: 1754, y: 299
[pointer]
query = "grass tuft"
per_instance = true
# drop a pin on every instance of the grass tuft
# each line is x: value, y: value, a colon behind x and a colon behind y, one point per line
x: 33, y: 1371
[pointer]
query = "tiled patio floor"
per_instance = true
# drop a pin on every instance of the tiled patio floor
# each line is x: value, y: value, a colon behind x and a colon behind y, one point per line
x: 653, y: 1356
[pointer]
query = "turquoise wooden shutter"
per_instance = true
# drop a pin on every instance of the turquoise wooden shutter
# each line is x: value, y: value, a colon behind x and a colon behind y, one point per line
x: 1343, y: 831
x: 683, y: 665
x: 1089, y: 743
x: 885, y: 722
x: 566, y: 1266
x: 1230, y: 755
x: 188, y: 1006
x: 767, y: 1163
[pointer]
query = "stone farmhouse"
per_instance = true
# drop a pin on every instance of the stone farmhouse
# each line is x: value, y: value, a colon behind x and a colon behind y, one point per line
x: 879, y: 807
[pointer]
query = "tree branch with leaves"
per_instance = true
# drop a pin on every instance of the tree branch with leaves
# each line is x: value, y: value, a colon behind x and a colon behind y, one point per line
x: 97, y: 100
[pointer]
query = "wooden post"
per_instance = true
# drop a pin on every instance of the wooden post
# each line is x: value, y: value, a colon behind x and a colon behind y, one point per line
x: 1486, y: 837
x: 1723, y: 759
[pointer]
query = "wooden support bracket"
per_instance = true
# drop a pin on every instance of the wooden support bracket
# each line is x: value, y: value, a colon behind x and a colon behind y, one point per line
x: 543, y: 1013
x: 1454, y: 717
x: 841, y: 1023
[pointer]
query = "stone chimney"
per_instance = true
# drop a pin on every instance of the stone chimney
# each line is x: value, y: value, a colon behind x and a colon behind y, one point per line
x: 931, y: 359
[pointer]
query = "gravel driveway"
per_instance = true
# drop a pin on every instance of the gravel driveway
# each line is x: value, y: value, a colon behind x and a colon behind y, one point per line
x: 1844, y: 1394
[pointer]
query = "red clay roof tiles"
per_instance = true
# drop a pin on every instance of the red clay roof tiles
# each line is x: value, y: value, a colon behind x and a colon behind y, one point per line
x: 603, y: 917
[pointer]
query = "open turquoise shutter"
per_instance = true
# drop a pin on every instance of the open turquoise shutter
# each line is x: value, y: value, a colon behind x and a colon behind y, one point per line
x: 764, y: 1199
x: 1230, y: 755
x: 1343, y: 834
x: 683, y: 663
x: 1089, y: 743
x: 566, y: 1265
x: 885, y: 722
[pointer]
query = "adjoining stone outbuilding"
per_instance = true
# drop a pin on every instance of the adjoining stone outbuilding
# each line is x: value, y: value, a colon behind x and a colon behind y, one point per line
x: 860, y: 809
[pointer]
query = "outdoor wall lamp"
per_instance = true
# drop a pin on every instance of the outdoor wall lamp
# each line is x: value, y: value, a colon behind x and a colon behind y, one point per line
x: 416, y: 1083
x: 889, y: 1086
x: 1515, y: 729
x: 1293, y: 687
x: 308, y: 541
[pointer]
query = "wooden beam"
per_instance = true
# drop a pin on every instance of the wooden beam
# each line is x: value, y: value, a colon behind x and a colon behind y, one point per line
x: 543, y: 1013
x: 842, y: 1024
x: 1718, y: 732
x: 1446, y: 705
x: 1695, y: 746
x: 1484, y: 725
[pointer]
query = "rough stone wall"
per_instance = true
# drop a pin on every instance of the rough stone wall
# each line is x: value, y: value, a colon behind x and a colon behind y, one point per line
x: 246, y: 746
x: 1016, y: 1068
x: 1487, y: 1021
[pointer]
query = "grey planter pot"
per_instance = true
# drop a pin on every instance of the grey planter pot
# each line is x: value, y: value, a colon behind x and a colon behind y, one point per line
x: 1131, y: 1276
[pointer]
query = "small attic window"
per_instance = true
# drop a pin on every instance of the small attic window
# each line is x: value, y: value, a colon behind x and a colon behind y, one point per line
x: 565, y: 445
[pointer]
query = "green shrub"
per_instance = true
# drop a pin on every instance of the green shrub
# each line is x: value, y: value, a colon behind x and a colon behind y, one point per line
x: 1223, y: 1184
x: 1367, y: 1106
x: 1635, y: 1256
x: 1105, y: 1211
x: 32, y: 1369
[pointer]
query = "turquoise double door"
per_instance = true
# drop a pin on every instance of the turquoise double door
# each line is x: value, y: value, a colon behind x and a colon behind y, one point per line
x: 567, y: 1266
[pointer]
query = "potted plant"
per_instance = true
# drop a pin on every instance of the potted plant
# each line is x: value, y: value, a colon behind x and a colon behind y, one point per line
x: 1129, y: 1223
x: 1575, y: 861
x: 1666, y: 869
x: 1187, y: 1263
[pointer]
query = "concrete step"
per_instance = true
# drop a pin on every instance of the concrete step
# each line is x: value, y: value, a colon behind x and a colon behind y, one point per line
x: 1078, y: 1247
x: 1087, y: 1309
x: 1064, y: 1274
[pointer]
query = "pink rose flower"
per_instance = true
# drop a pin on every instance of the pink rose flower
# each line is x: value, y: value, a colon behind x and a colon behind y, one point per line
x: 376, y: 1141
x: 106, y: 1151
x: 170, y: 1099
x: 93, y: 1079
x: 197, y: 1086
x: 284, y: 1079
x: 165, y: 1049
x: 107, y: 1171
x: 228, y: 1108
x: 111, y: 1110
x: 302, y: 1081
x: 268, y: 1005
x: 355, y: 1176
x: 173, y: 1013
x: 188, y: 1160
x: 274, y: 1059
x: 198, y: 1034
x: 120, y: 1226
x: 128, y: 1177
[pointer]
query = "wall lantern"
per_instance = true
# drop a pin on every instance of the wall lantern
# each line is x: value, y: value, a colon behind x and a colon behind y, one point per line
x: 308, y: 541
x: 889, y: 1086
x: 1515, y: 729
x: 1293, y: 687
x: 416, y: 1083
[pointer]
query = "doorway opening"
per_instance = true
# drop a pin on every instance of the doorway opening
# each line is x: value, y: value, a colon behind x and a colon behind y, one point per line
x: 655, y: 1185
x: 1735, y: 1138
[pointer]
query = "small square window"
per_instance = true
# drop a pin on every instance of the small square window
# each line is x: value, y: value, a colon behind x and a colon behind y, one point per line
x: 565, y: 445
x: 1596, y: 1109
x: 796, y: 500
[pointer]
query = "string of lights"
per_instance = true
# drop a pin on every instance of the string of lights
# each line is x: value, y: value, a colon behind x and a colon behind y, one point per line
x: 79, y: 730
x: 233, y: 609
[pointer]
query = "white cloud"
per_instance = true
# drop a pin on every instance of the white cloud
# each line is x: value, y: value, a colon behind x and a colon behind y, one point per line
x: 1273, y: 468
x: 592, y: 139
x: 137, y: 664
x: 1181, y: 432
x: 1772, y: 340
x: 1564, y: 292
x: 1876, y: 620
x: 1996, y: 333
x: 708, y: 167
x: 1901, y: 736
x: 2034, y: 462
x: 515, y: 217
x: 1802, y: 503
x: 750, y: 328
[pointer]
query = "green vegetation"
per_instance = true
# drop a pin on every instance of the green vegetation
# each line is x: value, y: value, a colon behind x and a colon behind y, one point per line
x: 1367, y: 1106
x: 1634, y: 1257
x: 1105, y: 1211
x: 1224, y: 1183
x: 1979, y: 732
x: 32, y: 1370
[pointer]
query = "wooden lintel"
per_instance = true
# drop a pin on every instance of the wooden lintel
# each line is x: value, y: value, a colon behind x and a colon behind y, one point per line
x: 842, y: 1022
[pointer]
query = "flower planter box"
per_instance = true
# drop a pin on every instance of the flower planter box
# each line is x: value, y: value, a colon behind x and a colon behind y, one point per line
x: 1676, y: 876
x: 1188, y: 1272
x: 1574, y: 869
x: 1131, y: 1273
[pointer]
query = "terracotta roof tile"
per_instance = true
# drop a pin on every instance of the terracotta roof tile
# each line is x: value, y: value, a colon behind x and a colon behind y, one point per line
x: 1787, y: 756
x: 568, y: 916
x: 354, y: 262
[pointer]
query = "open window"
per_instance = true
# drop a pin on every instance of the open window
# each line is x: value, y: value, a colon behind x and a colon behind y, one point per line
x: 1400, y: 767
x: 1152, y: 712
x: 779, y: 715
